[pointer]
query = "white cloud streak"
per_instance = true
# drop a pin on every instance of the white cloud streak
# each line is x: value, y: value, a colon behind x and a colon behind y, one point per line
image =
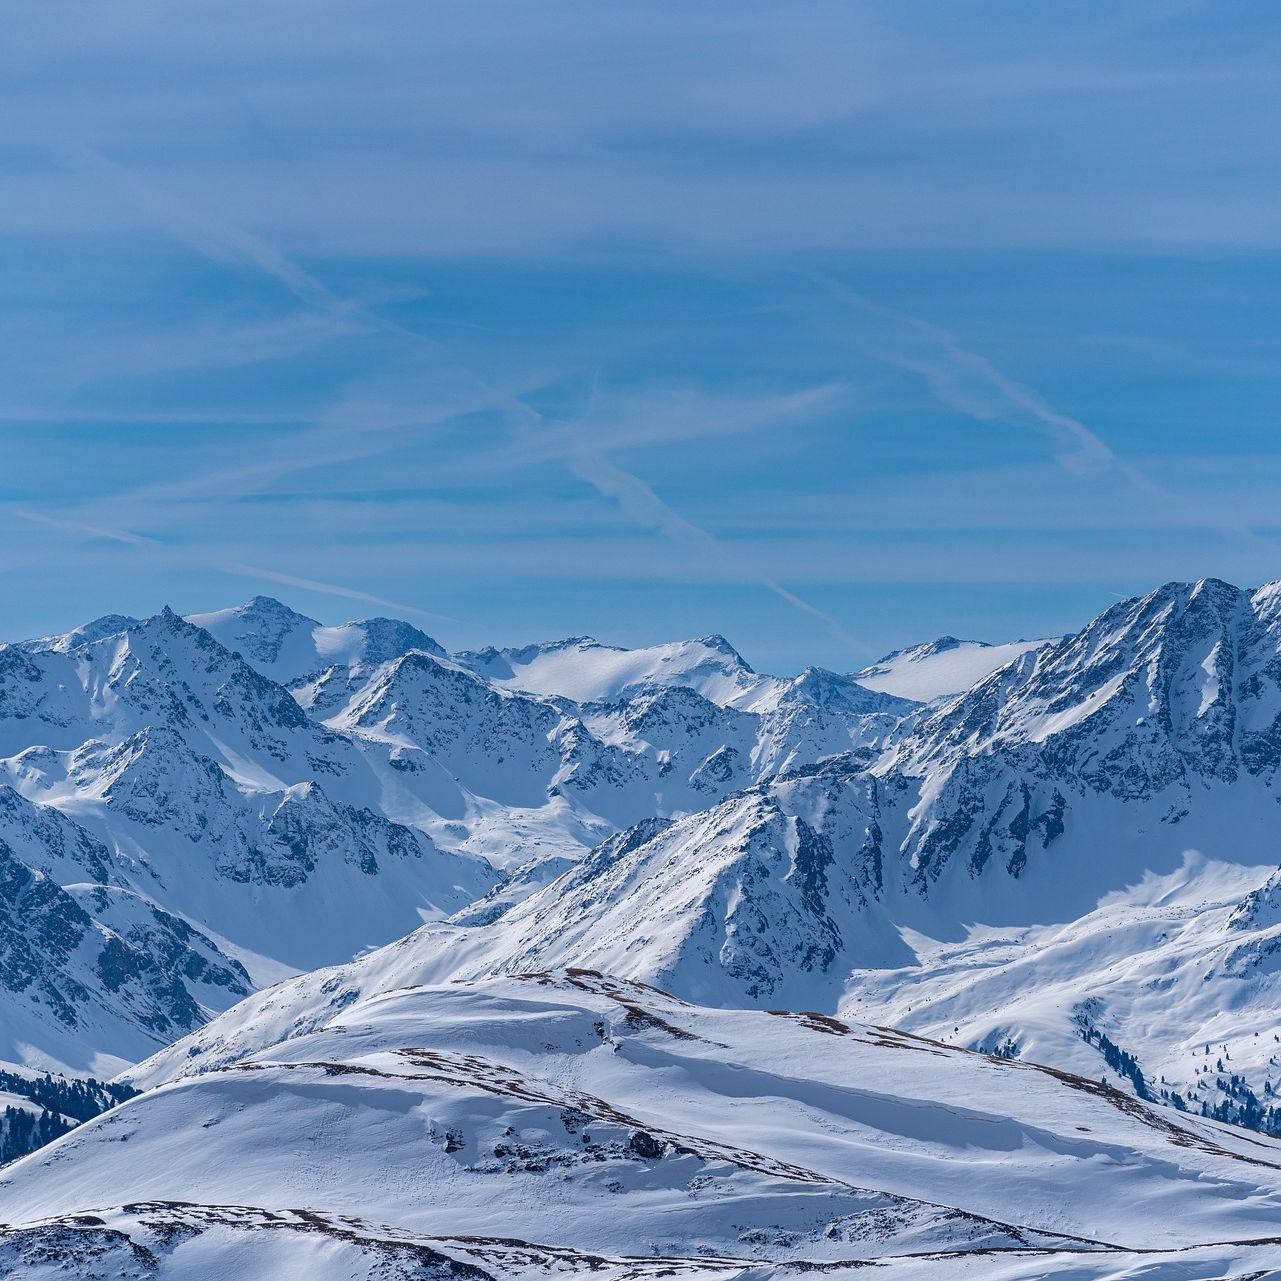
x: 640, y: 504
x: 333, y: 589
x: 82, y: 529
x: 969, y: 383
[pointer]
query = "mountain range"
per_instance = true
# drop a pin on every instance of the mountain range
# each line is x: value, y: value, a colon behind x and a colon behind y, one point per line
x: 386, y: 936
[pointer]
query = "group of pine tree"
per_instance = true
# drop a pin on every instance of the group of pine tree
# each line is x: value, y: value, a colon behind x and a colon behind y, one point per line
x: 63, y: 1102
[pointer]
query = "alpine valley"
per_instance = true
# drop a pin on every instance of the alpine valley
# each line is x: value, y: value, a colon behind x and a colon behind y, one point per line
x: 327, y: 952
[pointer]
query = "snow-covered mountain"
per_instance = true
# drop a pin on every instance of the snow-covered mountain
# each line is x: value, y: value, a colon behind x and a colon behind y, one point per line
x: 355, y: 1123
x: 1116, y: 788
x: 288, y: 647
x: 295, y: 793
x: 1072, y: 861
x: 585, y: 671
x: 210, y: 812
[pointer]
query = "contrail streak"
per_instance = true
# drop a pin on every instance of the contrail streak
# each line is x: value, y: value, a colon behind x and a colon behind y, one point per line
x: 332, y: 589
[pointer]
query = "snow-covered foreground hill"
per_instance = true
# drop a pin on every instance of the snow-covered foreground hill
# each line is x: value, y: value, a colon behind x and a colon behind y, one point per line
x: 350, y: 1126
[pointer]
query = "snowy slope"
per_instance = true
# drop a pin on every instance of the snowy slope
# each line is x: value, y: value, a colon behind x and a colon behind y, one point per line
x: 940, y: 667
x: 288, y: 874
x: 572, y: 1117
x: 38, y: 1107
x: 1180, y: 972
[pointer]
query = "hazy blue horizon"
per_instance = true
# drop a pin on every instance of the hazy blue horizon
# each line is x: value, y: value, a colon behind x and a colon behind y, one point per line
x: 830, y: 328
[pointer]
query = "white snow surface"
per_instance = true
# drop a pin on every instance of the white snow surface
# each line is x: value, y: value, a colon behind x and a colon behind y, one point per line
x: 572, y: 1116
x: 287, y: 646
x: 588, y: 671
x: 940, y: 668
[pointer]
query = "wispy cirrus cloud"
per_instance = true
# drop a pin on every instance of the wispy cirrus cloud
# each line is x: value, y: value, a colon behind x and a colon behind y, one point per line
x: 333, y: 589
x: 644, y: 507
x: 968, y: 382
x: 234, y: 241
x: 82, y: 529
x: 971, y: 384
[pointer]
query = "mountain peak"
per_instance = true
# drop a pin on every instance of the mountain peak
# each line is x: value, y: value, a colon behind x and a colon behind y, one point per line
x: 86, y: 634
x: 831, y: 689
x: 166, y: 622
x: 381, y: 639
x: 269, y: 607
x: 718, y: 643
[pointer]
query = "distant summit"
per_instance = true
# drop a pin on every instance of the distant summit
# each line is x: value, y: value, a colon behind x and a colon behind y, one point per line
x: 288, y: 646
x: 939, y: 668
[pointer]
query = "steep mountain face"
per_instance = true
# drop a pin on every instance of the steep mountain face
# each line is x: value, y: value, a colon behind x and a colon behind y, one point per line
x: 567, y: 1121
x: 1158, y: 723
x: 751, y: 903
x: 284, y: 872
x: 93, y: 973
x: 493, y: 742
x: 1107, y: 807
x: 822, y: 714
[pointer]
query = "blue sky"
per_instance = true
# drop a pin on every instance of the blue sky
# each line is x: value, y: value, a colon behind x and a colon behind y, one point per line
x: 830, y: 327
